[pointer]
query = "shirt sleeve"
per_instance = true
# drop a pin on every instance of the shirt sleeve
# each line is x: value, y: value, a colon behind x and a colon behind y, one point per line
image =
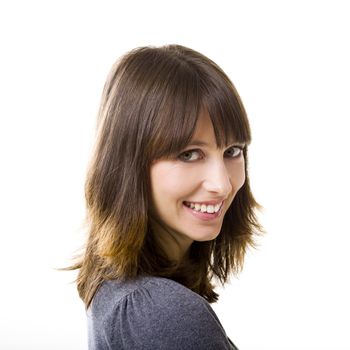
x: 155, y: 319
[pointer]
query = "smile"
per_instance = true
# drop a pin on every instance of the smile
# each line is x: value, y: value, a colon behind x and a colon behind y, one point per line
x: 204, y: 208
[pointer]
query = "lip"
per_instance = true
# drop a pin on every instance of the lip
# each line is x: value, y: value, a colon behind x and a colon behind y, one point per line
x: 204, y: 216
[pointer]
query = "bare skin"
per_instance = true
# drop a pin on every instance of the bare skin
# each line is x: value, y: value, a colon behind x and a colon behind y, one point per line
x: 202, y: 174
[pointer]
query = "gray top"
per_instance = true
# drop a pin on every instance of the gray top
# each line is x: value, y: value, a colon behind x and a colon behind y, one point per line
x: 152, y: 313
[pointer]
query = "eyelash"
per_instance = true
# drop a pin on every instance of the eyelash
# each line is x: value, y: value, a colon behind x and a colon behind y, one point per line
x: 199, y: 151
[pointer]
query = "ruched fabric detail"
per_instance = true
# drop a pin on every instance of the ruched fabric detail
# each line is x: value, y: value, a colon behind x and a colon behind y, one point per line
x: 153, y: 313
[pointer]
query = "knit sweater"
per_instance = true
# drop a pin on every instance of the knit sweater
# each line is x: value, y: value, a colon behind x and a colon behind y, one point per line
x: 152, y: 313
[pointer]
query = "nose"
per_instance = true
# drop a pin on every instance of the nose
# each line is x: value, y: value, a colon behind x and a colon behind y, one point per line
x: 218, y: 178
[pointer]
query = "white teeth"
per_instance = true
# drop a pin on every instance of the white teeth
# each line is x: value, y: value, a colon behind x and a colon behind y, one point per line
x: 210, y: 209
x: 204, y: 208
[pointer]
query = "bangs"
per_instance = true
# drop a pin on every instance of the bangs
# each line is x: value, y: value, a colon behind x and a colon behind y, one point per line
x: 227, y: 113
x: 174, y: 122
x: 188, y: 93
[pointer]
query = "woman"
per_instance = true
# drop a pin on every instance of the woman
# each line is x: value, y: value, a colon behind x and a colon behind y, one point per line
x: 169, y: 207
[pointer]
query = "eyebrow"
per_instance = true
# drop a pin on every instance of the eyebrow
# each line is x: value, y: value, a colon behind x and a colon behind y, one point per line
x: 198, y: 143
x: 202, y: 143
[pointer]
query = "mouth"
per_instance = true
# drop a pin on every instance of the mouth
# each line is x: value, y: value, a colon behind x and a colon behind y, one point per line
x: 213, y: 208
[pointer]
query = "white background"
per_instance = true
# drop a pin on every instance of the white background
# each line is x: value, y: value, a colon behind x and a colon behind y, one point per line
x: 290, y: 63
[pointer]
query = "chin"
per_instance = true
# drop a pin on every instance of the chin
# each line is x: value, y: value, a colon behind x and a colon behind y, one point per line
x: 206, y: 238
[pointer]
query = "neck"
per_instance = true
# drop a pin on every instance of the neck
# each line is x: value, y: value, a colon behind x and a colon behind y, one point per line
x: 175, y: 245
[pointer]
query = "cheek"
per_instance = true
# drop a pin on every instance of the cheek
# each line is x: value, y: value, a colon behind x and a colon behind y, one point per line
x: 237, y: 172
x: 168, y: 183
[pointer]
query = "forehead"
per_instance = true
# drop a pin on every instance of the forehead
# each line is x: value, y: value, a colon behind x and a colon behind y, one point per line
x: 204, y: 132
x: 204, y: 127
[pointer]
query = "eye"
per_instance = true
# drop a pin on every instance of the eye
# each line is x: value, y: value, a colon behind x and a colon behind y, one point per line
x: 234, y: 152
x: 190, y: 155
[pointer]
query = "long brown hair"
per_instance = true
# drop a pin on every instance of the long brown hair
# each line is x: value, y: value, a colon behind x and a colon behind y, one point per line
x: 149, y: 109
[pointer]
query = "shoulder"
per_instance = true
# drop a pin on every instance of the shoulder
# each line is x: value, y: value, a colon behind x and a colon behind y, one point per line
x: 152, y: 313
x: 148, y: 292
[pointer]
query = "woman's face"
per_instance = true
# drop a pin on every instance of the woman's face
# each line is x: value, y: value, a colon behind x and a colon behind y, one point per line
x: 192, y: 191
